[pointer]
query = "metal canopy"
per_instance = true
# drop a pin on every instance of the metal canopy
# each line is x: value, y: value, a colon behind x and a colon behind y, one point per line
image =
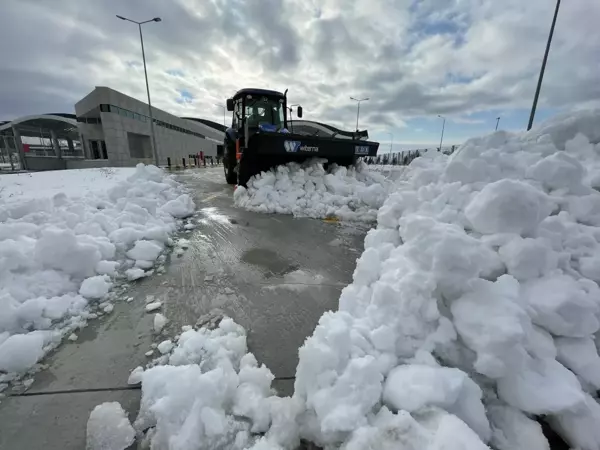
x: 64, y: 125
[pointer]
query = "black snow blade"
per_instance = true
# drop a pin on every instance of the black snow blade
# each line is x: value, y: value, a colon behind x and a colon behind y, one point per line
x: 297, y: 146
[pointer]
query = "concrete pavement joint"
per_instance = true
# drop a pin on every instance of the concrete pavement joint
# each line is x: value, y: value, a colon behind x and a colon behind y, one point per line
x: 108, y: 389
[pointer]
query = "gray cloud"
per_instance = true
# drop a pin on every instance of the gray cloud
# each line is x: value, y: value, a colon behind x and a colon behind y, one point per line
x: 413, y: 59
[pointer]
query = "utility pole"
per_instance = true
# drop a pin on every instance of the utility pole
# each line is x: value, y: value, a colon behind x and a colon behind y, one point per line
x: 221, y: 106
x: 497, y: 122
x: 139, y: 24
x: 358, y: 108
x: 392, y: 142
x: 543, y: 69
x: 443, y: 126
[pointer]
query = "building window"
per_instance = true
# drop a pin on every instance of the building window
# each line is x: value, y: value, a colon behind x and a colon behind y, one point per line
x: 104, y: 108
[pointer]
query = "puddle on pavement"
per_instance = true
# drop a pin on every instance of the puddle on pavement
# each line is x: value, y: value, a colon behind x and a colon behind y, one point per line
x: 269, y: 260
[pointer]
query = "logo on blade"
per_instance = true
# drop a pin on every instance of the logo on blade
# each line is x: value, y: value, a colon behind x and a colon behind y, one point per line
x: 291, y: 146
x: 361, y: 150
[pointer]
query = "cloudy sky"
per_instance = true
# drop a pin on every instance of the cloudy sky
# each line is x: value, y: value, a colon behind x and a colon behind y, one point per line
x: 469, y: 60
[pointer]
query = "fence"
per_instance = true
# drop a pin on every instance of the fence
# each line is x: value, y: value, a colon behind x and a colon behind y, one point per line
x: 403, y: 158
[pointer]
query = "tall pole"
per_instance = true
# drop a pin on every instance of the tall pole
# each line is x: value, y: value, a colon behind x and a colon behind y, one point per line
x: 156, y: 161
x: 443, y: 126
x: 392, y: 142
x: 542, y: 70
x: 139, y: 24
x: 497, y: 122
x: 358, y: 108
x: 221, y: 106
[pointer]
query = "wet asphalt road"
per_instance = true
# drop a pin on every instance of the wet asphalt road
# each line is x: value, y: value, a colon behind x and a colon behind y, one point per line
x: 239, y: 263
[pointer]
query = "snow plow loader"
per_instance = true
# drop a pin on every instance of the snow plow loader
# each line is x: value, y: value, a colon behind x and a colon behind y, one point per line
x: 259, y: 138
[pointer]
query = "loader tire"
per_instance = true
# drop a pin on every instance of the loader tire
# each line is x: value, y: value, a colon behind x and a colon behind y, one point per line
x: 247, y: 169
x: 230, y: 174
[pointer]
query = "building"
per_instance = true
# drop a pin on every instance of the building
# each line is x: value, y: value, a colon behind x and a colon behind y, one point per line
x: 112, y: 129
x: 108, y: 128
x: 116, y: 127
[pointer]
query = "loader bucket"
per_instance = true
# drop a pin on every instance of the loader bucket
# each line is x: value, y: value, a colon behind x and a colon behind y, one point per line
x: 270, y: 149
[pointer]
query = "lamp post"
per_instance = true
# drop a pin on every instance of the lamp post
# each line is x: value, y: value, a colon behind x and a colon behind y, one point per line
x: 443, y: 126
x: 392, y: 142
x: 139, y: 24
x: 221, y: 106
x: 358, y: 100
x: 497, y: 122
x: 544, y: 61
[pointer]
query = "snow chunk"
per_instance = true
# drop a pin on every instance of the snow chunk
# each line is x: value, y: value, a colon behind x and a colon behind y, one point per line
x: 159, y: 322
x: 135, y: 377
x: 20, y: 352
x: 95, y: 287
x: 581, y: 356
x: 145, y: 250
x: 414, y: 387
x: 107, y: 268
x: 165, y: 346
x: 135, y: 274
x: 307, y: 190
x: 508, y: 206
x: 560, y: 305
x: 511, y: 429
x: 181, y: 207
x: 153, y: 306
x: 108, y: 428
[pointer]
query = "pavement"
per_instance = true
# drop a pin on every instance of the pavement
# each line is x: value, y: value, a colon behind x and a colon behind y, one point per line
x: 238, y: 264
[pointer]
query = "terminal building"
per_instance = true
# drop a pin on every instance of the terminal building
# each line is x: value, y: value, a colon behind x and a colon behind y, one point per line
x: 111, y: 129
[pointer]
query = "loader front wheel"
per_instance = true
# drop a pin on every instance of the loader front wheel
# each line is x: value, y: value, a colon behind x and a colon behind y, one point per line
x: 230, y: 174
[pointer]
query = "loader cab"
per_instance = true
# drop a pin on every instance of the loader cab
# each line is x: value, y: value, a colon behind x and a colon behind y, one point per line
x: 255, y: 109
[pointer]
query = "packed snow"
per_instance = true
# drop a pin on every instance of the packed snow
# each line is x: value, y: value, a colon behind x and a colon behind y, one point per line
x: 66, y: 237
x: 475, y: 295
x: 474, y: 310
x: 308, y: 190
x: 108, y: 428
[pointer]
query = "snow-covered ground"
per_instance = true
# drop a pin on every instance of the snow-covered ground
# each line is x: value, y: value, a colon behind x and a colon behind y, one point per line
x: 474, y: 309
x: 65, y: 238
x: 307, y: 190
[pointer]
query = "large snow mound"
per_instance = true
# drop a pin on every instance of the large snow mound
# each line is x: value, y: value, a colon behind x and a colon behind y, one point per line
x: 212, y: 394
x: 308, y: 190
x: 64, y: 237
x: 476, y: 297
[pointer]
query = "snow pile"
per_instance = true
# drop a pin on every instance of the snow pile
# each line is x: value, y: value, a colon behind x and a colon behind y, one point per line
x: 307, y: 190
x: 108, y: 428
x: 475, y: 305
x: 212, y: 394
x: 59, y: 251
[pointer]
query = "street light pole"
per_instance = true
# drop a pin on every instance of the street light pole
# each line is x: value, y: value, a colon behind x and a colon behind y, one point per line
x: 358, y: 100
x: 392, y: 142
x: 543, y: 69
x: 221, y: 106
x: 139, y: 24
x: 497, y: 122
x: 443, y: 126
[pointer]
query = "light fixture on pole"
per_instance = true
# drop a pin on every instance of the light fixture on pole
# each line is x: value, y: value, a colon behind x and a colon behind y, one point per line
x: 358, y: 100
x: 221, y: 106
x: 542, y: 70
x: 443, y: 126
x: 497, y: 122
x: 139, y: 24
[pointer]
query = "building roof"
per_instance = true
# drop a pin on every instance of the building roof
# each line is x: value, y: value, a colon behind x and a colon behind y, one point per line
x: 208, y: 123
x: 313, y: 128
x: 62, y: 123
